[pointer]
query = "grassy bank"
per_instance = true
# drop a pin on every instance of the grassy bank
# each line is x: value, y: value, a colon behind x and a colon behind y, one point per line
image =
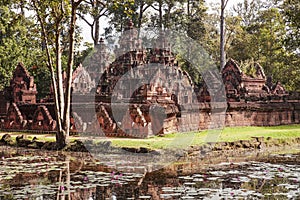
x: 228, y: 134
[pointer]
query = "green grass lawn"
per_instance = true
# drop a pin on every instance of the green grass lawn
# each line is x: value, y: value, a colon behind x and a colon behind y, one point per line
x: 242, y: 133
x: 228, y: 134
x: 176, y: 140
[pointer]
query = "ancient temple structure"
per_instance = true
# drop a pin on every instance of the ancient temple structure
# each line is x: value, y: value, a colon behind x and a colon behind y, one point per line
x: 14, y: 119
x: 23, y: 111
x: 240, y: 86
x: 137, y: 83
x: 42, y: 119
x: 22, y: 87
x: 82, y: 82
x: 144, y: 92
x: 98, y: 61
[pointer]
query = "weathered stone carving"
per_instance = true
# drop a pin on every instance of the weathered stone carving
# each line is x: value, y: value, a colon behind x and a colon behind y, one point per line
x: 22, y: 87
x: 81, y: 81
x: 42, y: 120
x: 123, y: 78
x: 14, y: 119
x: 240, y: 86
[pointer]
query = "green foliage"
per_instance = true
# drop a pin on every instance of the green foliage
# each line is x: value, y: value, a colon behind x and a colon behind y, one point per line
x: 211, y: 38
x: 248, y: 68
x: 256, y: 31
x: 18, y: 41
x: 261, y: 41
x: 42, y: 79
x: 120, y: 12
x: 189, y: 18
x: 260, y: 36
x: 291, y: 10
x: 263, y: 32
x: 94, y: 10
x: 80, y: 56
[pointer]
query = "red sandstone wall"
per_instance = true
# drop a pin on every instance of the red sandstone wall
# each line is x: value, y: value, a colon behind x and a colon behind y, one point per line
x: 262, y: 114
x: 3, y: 105
x: 242, y: 114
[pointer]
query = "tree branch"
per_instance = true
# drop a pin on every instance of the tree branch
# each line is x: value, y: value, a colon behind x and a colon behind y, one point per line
x: 101, y: 15
x: 154, y: 8
x: 76, y: 3
x: 92, y: 31
x: 83, y: 18
x: 146, y: 8
x: 224, y: 3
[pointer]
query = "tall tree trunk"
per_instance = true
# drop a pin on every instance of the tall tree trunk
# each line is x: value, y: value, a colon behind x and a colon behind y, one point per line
x: 167, y: 22
x: 66, y: 124
x: 222, y: 34
x: 160, y: 16
x: 97, y: 31
x: 188, y: 29
x: 97, y: 25
x: 60, y: 136
x: 62, y: 100
x: 59, y: 77
x: 141, y: 12
x: 22, y: 7
x: 50, y: 64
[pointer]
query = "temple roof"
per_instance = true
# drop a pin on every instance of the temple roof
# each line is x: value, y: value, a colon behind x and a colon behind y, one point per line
x: 21, y: 70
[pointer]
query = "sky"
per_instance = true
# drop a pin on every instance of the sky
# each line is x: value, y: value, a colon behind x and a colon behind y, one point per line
x: 86, y: 32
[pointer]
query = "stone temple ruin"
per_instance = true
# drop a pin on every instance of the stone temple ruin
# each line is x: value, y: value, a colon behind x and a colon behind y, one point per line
x: 135, y: 97
x: 138, y: 79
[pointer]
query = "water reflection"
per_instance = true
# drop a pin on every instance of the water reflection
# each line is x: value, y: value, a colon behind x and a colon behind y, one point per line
x: 31, y: 174
x: 254, y: 180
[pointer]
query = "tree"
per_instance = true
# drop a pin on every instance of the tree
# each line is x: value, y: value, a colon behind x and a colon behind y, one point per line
x: 94, y: 9
x: 51, y: 15
x: 222, y: 34
x: 248, y: 11
x: 259, y: 36
x: 211, y: 37
x: 141, y: 7
x: 243, y: 27
x: 189, y: 18
x: 186, y: 16
x: 167, y: 13
x: 19, y: 40
x: 291, y: 10
x: 196, y: 12
x: 42, y: 78
x: 120, y: 12
x: 66, y: 123
x: 157, y: 18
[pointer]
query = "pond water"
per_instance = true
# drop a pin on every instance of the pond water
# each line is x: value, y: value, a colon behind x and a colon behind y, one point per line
x: 31, y: 174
